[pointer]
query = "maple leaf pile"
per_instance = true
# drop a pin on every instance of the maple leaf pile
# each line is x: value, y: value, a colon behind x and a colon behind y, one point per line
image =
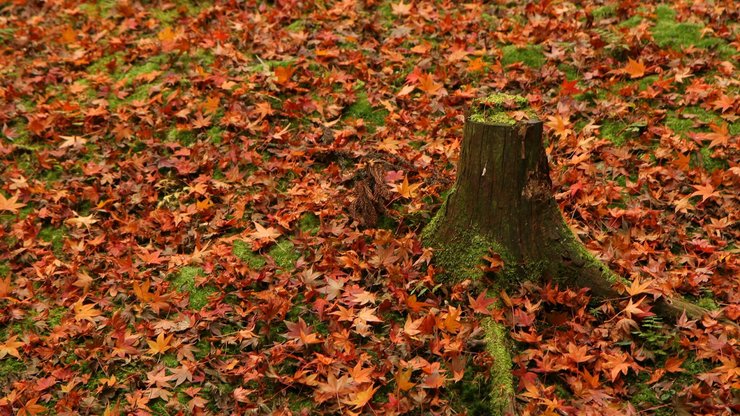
x: 176, y: 181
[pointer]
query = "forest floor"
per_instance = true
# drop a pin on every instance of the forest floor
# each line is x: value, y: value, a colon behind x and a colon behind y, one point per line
x: 176, y: 177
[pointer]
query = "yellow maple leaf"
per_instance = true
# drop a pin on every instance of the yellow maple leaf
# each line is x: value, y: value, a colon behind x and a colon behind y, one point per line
x: 10, y: 204
x: 360, y: 398
x: 160, y: 345
x: 10, y: 347
x: 166, y: 35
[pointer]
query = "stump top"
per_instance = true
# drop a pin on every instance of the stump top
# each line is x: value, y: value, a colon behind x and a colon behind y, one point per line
x: 501, y: 109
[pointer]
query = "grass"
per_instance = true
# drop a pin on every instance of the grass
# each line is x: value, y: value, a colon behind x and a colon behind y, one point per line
x: 530, y: 55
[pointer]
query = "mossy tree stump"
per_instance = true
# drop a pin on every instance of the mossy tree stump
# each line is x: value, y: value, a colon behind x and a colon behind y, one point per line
x: 503, y: 201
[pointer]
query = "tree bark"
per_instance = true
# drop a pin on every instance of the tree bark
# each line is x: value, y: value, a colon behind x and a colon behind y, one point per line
x: 502, y: 201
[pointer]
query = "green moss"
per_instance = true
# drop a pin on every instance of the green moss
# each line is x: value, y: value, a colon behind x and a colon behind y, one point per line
x: 184, y: 137
x: 141, y: 93
x: 55, y: 316
x: 646, y: 82
x: 202, y: 349
x: 461, y: 256
x: 11, y: 369
x: 495, y: 109
x: 242, y: 251
x: 362, y: 109
x: 679, y: 125
x: 184, y: 281
x: 530, y: 55
x: 708, y: 303
x: 296, y: 26
x: 101, y: 64
x: 4, y: 269
x: 7, y: 33
x: 158, y: 407
x: 669, y: 33
x: 644, y: 396
x: 170, y: 361
x: 571, y: 246
x: 683, y: 125
x: 214, y: 134
x: 570, y: 71
x: 151, y: 64
x: 284, y: 254
x: 614, y: 131
x: 309, y: 223
x: 711, y: 164
x: 299, y: 402
x: 386, y: 14
x: 165, y: 16
x: 55, y: 236
x: 502, y: 381
x: 631, y: 22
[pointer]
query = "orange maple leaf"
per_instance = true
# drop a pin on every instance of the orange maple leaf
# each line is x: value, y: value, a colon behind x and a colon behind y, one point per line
x: 560, y: 125
x: 10, y: 204
x: 428, y: 85
x: 635, y: 69
x: 724, y: 103
x: 406, y: 190
x: 477, y: 64
x: 705, y: 191
x: 85, y: 312
x: 403, y: 379
x: 283, y: 74
x: 637, y: 287
x: 210, y: 105
x: 31, y: 408
x: 578, y: 354
x: 5, y: 287
x: 673, y: 364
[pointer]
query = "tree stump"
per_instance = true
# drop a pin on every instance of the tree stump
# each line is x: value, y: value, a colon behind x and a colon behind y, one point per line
x: 502, y: 201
